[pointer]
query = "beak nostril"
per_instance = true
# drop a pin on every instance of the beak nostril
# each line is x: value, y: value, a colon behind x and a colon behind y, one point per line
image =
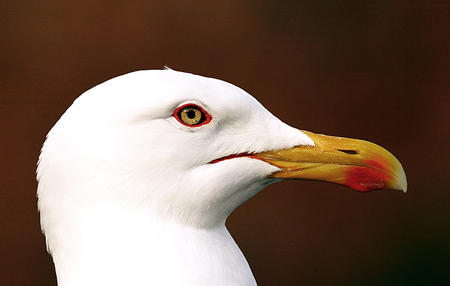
x: 350, y: 152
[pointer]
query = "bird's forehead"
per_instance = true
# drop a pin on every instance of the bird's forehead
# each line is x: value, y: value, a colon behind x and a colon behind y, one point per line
x: 157, y: 93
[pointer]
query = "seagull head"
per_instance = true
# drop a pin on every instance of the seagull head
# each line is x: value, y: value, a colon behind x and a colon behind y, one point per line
x: 137, y: 178
x: 187, y: 149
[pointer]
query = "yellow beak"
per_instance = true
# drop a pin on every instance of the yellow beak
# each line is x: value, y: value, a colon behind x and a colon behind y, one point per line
x: 358, y: 164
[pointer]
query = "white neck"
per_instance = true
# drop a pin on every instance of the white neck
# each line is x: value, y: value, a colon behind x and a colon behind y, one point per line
x: 124, y: 247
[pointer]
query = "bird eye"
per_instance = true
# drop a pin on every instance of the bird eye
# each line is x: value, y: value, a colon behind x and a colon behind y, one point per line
x: 191, y: 115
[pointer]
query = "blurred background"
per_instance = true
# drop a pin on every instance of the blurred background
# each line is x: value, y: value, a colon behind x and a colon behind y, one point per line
x: 375, y: 70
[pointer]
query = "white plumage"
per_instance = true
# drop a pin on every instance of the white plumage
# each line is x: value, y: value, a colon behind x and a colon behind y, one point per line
x: 127, y: 195
x: 136, y: 179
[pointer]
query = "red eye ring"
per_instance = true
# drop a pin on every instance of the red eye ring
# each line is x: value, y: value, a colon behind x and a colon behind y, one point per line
x: 205, y: 118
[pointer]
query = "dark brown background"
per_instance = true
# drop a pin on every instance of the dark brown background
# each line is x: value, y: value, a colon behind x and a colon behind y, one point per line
x: 376, y: 70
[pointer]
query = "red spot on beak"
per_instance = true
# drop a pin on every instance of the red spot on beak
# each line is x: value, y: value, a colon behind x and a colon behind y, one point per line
x: 373, y: 176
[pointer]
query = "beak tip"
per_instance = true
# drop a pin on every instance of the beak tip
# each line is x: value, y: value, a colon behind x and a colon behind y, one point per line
x: 401, y: 179
x: 405, y: 187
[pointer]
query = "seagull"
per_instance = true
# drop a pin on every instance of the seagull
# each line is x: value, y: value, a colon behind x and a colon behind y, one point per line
x: 138, y: 176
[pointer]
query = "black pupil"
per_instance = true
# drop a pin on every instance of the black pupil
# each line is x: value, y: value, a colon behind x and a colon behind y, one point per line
x: 191, y: 114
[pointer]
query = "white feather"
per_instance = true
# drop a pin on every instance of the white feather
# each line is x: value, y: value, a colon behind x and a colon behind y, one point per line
x: 126, y: 194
